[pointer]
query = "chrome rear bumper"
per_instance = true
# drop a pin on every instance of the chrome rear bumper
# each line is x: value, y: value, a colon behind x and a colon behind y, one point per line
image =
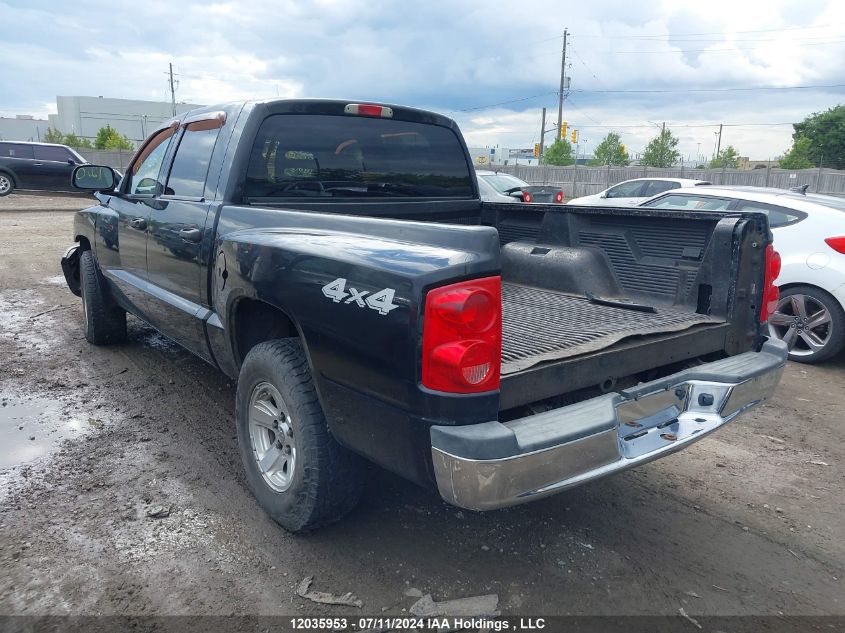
x: 493, y: 465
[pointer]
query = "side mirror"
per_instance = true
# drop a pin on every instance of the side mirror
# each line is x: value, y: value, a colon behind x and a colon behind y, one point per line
x: 604, y: 195
x: 70, y: 161
x: 94, y: 178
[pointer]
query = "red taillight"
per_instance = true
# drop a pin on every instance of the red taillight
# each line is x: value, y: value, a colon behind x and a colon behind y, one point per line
x: 526, y: 197
x: 462, y: 337
x: 559, y: 197
x: 836, y: 243
x: 771, y: 294
x: 368, y: 109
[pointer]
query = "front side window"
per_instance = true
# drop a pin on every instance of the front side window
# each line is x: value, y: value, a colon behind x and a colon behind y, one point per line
x: 627, y: 189
x: 52, y: 153
x: 681, y: 202
x: 144, y: 173
x: 190, y: 166
x: 327, y: 156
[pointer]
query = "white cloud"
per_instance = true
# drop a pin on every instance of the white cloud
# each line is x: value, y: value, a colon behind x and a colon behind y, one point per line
x: 448, y: 57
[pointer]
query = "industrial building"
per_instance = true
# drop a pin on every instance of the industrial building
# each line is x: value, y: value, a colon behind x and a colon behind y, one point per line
x: 84, y: 116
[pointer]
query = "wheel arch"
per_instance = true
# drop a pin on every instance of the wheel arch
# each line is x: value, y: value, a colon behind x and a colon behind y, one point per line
x: 254, y: 321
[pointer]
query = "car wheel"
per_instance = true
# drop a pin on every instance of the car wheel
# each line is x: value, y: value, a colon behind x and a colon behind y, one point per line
x: 104, y: 321
x: 6, y: 185
x: 298, y: 472
x: 811, y: 322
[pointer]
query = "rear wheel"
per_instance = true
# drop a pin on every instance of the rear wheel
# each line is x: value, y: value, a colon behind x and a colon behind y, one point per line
x: 6, y: 185
x: 298, y: 472
x: 811, y: 323
x: 104, y: 320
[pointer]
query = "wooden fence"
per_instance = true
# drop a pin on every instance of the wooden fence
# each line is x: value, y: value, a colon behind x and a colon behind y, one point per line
x: 582, y: 180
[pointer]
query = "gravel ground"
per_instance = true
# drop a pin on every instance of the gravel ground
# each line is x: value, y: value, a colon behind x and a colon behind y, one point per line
x: 95, y: 440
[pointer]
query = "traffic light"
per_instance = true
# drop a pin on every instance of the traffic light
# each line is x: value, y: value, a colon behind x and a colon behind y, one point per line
x: 563, y: 127
x: 536, y: 150
x: 574, y: 137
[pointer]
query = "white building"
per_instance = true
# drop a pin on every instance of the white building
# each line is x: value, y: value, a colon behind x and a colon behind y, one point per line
x: 84, y: 116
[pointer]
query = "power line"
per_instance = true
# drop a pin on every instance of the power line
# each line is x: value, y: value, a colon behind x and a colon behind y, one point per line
x: 493, y: 105
x: 778, y: 30
x: 713, y: 50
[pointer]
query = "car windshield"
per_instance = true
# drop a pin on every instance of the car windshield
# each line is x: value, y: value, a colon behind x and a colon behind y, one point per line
x: 505, y: 183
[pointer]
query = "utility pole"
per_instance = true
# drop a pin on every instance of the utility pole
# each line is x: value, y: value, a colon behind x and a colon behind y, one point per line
x: 542, y: 134
x: 562, y: 80
x: 172, y: 91
x: 719, y: 142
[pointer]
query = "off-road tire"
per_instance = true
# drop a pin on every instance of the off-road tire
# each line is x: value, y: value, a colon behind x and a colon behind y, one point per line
x: 327, y: 478
x: 104, y: 321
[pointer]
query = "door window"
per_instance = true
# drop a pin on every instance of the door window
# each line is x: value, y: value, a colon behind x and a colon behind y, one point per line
x: 190, y: 166
x: 51, y: 152
x: 778, y: 216
x: 15, y: 150
x: 144, y: 173
x: 680, y: 202
x: 627, y: 189
x: 659, y: 186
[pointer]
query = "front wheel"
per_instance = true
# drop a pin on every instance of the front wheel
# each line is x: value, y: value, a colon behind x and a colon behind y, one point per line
x: 811, y: 323
x: 105, y: 321
x: 6, y: 185
x: 298, y: 472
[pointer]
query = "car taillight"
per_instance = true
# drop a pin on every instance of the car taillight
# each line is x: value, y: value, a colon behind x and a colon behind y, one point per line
x: 462, y: 337
x: 836, y: 243
x: 526, y: 197
x: 368, y: 109
x: 770, y: 290
x: 559, y: 197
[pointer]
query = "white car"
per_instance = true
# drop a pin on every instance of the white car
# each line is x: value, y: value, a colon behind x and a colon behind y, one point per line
x: 809, y: 234
x: 633, y: 192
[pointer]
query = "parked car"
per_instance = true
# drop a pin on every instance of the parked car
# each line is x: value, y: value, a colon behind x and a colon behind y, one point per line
x: 501, y: 187
x: 632, y: 192
x: 36, y: 166
x: 809, y: 233
x: 390, y: 319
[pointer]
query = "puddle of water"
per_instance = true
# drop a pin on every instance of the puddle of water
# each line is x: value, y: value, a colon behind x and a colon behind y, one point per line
x: 32, y: 428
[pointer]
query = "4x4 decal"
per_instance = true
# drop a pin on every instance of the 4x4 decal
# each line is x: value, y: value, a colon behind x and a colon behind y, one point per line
x: 381, y: 301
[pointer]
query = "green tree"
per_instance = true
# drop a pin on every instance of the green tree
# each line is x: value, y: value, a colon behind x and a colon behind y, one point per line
x: 728, y: 157
x: 109, y: 138
x: 52, y: 135
x: 661, y: 150
x: 798, y: 156
x: 826, y: 134
x: 558, y: 153
x: 610, y: 151
x: 72, y: 140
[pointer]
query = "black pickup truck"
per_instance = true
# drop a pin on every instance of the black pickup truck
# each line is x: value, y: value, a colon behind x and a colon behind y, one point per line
x: 336, y: 259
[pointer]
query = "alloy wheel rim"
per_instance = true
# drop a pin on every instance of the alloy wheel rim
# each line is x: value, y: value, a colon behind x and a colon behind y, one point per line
x: 4, y: 184
x: 803, y: 323
x: 271, y: 436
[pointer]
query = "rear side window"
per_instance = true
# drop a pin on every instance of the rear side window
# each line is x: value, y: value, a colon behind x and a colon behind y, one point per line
x: 15, y: 150
x: 190, y: 166
x: 628, y: 189
x: 322, y: 156
x: 778, y: 216
x: 659, y: 186
x: 689, y: 203
x: 49, y: 152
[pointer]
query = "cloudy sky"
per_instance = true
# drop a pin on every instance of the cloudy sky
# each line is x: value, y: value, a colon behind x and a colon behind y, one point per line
x: 490, y: 65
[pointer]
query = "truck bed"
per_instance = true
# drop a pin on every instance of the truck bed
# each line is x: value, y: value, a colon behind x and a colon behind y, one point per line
x: 543, y: 325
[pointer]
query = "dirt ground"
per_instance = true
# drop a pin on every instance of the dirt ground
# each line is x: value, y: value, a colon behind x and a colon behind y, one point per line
x: 93, y: 440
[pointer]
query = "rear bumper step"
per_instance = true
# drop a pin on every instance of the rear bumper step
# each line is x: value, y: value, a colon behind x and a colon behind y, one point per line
x: 493, y: 465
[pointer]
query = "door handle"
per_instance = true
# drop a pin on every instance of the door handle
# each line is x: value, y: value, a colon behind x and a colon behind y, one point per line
x: 191, y: 235
x: 138, y: 223
x: 38, y: 164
